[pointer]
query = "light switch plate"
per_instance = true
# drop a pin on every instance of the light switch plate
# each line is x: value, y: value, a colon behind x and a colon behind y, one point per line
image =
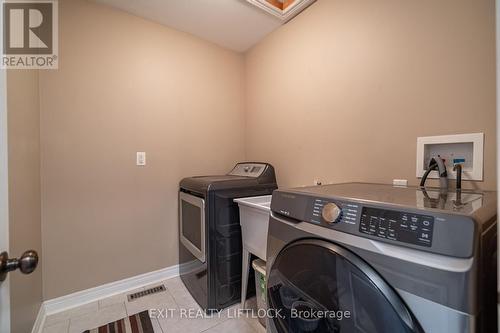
x: 141, y: 158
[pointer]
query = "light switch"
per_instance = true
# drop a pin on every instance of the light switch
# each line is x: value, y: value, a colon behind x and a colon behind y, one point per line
x: 141, y: 158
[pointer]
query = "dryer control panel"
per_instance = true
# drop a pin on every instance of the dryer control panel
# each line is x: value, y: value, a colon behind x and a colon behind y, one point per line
x: 248, y: 169
x: 399, y: 226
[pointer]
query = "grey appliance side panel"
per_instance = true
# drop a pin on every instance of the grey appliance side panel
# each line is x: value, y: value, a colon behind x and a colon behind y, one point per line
x: 436, y: 318
x: 279, y: 235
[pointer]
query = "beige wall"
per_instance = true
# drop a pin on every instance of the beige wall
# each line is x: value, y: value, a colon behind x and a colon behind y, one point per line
x: 342, y: 92
x: 124, y: 85
x: 24, y: 193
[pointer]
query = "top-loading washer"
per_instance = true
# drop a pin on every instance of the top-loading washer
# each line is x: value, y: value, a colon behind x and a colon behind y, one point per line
x: 376, y: 258
x: 210, y: 246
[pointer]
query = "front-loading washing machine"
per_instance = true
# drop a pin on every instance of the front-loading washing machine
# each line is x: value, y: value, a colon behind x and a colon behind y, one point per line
x: 375, y: 258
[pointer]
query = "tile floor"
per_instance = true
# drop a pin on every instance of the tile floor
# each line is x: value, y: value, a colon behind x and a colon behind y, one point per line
x: 176, y: 298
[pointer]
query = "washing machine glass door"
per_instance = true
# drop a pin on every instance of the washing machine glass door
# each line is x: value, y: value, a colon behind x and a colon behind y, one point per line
x: 317, y: 286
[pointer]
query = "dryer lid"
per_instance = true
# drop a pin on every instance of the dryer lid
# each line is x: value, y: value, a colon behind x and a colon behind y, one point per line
x: 246, y: 175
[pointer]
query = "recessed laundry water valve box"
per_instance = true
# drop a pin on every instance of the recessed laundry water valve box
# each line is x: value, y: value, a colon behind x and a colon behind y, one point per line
x: 466, y: 149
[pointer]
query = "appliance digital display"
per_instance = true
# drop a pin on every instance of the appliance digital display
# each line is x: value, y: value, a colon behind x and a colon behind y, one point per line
x: 399, y: 226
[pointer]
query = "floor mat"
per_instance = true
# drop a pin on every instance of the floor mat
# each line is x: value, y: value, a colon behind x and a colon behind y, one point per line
x: 138, y: 323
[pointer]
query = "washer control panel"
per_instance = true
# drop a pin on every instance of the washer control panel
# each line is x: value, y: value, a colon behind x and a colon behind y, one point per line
x: 428, y: 230
x: 328, y: 212
x: 331, y: 213
x: 399, y: 226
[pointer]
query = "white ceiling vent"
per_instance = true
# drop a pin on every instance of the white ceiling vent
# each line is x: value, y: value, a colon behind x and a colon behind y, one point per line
x: 285, y: 10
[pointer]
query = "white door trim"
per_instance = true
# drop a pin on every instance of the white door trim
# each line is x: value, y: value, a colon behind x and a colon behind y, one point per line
x: 4, y: 188
x: 497, y: 3
x: 4, y: 200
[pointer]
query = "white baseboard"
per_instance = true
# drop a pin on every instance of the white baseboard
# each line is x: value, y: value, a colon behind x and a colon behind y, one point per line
x: 106, y: 290
x: 40, y: 320
x: 79, y: 298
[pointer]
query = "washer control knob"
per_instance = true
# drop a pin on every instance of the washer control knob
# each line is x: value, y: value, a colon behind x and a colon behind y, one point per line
x: 331, y: 212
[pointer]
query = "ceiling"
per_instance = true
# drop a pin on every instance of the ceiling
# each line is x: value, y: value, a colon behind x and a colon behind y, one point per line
x: 233, y: 24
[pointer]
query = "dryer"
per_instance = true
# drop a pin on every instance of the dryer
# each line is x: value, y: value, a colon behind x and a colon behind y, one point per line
x: 210, y: 246
x: 376, y: 258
